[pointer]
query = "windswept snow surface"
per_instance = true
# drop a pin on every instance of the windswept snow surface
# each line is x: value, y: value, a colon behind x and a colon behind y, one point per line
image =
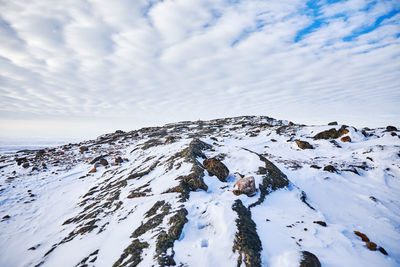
x: 136, y: 212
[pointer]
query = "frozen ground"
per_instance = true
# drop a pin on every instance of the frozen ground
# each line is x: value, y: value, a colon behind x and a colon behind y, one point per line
x: 154, y: 204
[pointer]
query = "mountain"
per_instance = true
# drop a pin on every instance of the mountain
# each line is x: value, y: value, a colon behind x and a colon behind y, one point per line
x: 249, y: 191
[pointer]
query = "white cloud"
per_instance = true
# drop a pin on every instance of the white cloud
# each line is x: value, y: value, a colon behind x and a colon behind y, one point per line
x: 134, y: 63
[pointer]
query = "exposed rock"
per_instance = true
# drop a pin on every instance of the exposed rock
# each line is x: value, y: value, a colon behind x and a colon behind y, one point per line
x: 309, y: 260
x: 83, y: 149
x: 330, y: 168
x: 315, y: 166
x: 371, y: 246
x: 333, y: 123
x: 25, y: 165
x: 103, y: 162
x: 321, y: 223
x: 245, y: 186
x: 40, y: 153
x: 247, y: 242
x: 345, y: 139
x: 332, y: 133
x: 217, y: 168
x: 383, y: 251
x: 119, y: 160
x: 20, y: 160
x: 391, y: 128
x: 92, y: 170
x: 364, y: 237
x: 6, y: 217
x: 304, y: 144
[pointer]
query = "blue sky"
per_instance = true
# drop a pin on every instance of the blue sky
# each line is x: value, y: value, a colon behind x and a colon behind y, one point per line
x: 82, y: 68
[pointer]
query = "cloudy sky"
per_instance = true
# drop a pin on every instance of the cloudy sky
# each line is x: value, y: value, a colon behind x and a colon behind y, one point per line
x: 80, y: 68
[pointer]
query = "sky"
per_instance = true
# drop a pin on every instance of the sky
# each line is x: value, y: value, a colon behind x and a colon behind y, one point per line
x: 82, y: 68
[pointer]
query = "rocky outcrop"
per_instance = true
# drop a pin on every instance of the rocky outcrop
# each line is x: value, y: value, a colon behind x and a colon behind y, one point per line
x: 304, y: 144
x: 309, y: 260
x: 245, y: 186
x: 332, y: 133
x: 345, y: 139
x: 215, y: 167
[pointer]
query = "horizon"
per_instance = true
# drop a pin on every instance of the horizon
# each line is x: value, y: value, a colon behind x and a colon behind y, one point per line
x: 76, y: 70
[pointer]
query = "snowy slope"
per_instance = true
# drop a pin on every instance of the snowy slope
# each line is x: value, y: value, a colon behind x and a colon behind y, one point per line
x: 153, y: 204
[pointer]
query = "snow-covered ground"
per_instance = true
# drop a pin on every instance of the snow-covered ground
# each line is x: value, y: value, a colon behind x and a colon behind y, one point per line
x: 137, y: 211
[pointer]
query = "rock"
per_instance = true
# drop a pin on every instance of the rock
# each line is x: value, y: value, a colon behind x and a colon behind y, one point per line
x: 40, y: 153
x: 25, y: 165
x: 92, y: 170
x: 119, y: 160
x: 119, y: 132
x: 364, y: 237
x: 20, y: 160
x: 345, y: 139
x: 383, y: 251
x: 290, y: 123
x: 333, y: 123
x: 309, y: 260
x: 103, y: 162
x: 217, y: 168
x: 44, y: 166
x: 371, y: 245
x: 330, y: 168
x: 321, y: 223
x: 332, y: 133
x: 304, y: 144
x: 391, y: 128
x: 245, y: 186
x: 83, y: 149
x: 6, y: 217
x: 315, y: 166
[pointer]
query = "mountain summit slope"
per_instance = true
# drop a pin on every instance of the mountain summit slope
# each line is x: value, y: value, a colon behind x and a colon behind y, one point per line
x: 244, y: 191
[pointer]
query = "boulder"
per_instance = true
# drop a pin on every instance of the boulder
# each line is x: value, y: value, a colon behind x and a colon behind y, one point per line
x: 309, y: 260
x: 391, y: 128
x: 364, y: 237
x: 83, y: 149
x: 371, y: 245
x: 330, y: 168
x: 246, y: 186
x: 332, y: 133
x: 345, y: 139
x: 333, y: 123
x: 92, y: 170
x: 322, y: 223
x: 304, y: 144
x: 119, y: 160
x: 217, y: 168
x: 103, y: 162
x: 25, y: 165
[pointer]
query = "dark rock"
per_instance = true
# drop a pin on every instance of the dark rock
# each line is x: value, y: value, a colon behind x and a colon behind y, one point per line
x: 315, y: 166
x: 25, y: 165
x: 333, y: 123
x: 119, y: 132
x: 372, y: 198
x: 371, y: 246
x: 309, y: 260
x: 83, y: 149
x: 119, y: 160
x: 40, y: 153
x: 217, y: 168
x: 103, y: 162
x: 6, y: 217
x: 345, y: 139
x: 20, y: 160
x: 391, y: 128
x: 304, y: 144
x: 247, y: 242
x: 330, y: 168
x: 332, y: 133
x: 383, y: 251
x: 321, y: 223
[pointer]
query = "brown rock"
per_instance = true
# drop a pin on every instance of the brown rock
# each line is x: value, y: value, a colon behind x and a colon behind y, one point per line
x: 371, y: 245
x: 245, y: 186
x: 83, y: 149
x: 332, y: 133
x: 345, y: 139
x: 304, y: 144
x: 391, y: 128
x: 330, y: 168
x: 119, y: 160
x: 103, y: 162
x: 92, y: 170
x: 364, y: 237
x: 383, y: 251
x: 25, y: 165
x: 309, y: 260
x: 217, y: 168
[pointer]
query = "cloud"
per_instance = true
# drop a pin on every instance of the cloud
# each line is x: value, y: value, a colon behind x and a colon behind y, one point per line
x: 135, y: 63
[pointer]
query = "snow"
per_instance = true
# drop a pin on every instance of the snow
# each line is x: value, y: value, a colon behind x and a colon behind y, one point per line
x: 347, y: 202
